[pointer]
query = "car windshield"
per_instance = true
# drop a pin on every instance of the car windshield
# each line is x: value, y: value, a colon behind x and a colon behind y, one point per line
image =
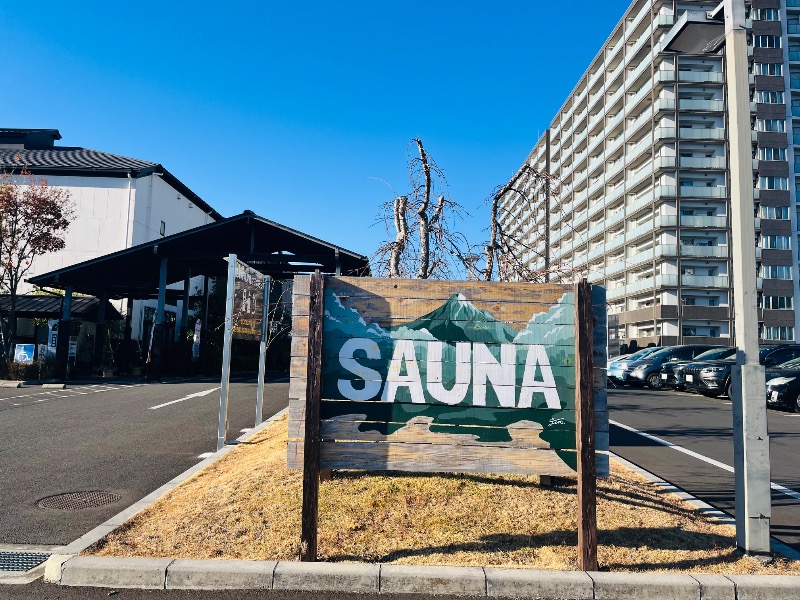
x: 662, y: 354
x: 789, y: 364
x: 715, y: 354
x: 639, y: 354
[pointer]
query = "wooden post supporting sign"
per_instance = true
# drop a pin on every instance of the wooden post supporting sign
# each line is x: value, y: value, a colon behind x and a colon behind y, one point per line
x: 308, y: 536
x: 584, y: 425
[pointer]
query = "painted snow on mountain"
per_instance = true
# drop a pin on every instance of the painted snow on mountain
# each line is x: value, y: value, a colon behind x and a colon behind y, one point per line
x: 555, y: 326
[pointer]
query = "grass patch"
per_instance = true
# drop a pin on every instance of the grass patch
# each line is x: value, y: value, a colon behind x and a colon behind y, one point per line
x: 247, y: 506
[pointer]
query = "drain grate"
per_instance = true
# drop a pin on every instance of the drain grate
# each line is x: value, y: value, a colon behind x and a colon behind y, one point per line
x: 21, y: 561
x: 79, y: 500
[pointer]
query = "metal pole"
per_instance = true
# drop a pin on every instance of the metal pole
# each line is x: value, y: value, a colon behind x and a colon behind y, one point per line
x: 222, y: 430
x: 750, y: 439
x: 262, y: 355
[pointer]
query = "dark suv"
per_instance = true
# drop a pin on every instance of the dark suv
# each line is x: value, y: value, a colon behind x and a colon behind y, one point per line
x: 672, y: 372
x: 783, y: 385
x: 647, y: 371
x: 713, y: 378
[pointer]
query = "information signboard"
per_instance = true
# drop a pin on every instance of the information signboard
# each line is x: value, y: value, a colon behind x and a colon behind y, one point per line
x: 443, y: 376
x: 247, y: 303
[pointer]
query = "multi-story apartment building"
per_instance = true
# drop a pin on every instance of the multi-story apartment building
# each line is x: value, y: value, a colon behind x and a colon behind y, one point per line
x: 639, y: 197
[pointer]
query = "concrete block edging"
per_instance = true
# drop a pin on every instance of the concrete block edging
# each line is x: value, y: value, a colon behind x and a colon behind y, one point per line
x: 164, y: 573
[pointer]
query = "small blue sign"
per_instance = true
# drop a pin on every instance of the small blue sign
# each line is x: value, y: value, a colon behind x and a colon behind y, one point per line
x: 24, y: 353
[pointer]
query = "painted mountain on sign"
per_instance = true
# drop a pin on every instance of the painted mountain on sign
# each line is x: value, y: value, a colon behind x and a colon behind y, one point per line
x: 361, y: 354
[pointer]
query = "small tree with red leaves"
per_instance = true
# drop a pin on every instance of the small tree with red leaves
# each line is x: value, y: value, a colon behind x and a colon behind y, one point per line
x: 33, y: 220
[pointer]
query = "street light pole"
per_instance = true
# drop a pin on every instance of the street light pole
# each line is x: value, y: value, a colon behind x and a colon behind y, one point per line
x: 750, y: 439
x: 698, y: 32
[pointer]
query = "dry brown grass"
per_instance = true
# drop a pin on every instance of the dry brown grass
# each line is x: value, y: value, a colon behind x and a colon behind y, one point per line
x: 247, y: 506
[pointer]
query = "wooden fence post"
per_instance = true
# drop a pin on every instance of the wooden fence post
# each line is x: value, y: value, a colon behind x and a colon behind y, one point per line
x: 584, y: 426
x: 308, y: 536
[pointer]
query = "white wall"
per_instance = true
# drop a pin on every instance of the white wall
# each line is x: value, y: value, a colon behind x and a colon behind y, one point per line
x: 112, y: 214
x: 100, y: 223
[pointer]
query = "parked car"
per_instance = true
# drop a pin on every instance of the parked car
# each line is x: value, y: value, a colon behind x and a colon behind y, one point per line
x: 783, y: 385
x: 618, y: 368
x: 713, y: 378
x: 647, y: 371
x: 672, y: 372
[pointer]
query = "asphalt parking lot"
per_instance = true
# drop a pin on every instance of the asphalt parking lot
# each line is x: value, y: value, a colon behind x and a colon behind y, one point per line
x: 695, y: 451
x: 123, y: 439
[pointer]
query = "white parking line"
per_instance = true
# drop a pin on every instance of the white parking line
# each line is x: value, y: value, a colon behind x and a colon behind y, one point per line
x: 711, y: 461
x: 195, y: 395
x: 205, y: 455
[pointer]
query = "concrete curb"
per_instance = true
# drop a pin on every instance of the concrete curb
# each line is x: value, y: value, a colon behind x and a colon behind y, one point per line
x: 165, y: 573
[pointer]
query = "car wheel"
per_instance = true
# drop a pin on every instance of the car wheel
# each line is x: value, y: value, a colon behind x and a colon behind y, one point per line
x: 797, y: 404
x: 654, y: 381
x: 729, y: 390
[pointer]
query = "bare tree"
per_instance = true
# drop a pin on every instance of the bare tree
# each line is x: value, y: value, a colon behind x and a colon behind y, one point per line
x: 34, y: 218
x: 426, y: 243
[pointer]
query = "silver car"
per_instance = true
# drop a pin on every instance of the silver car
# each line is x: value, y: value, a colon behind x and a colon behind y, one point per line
x: 618, y: 369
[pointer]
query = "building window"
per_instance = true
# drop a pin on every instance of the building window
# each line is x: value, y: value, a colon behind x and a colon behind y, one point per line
x: 766, y: 14
x: 775, y: 302
x: 773, y: 125
x: 776, y: 242
x: 769, y: 153
x: 768, y: 69
x: 777, y: 333
x: 767, y: 97
x: 773, y: 183
x: 774, y: 212
x: 776, y: 272
x: 766, y: 41
x: 689, y: 331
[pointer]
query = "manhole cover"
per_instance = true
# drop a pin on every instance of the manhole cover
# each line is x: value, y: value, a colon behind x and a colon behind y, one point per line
x: 21, y: 561
x: 79, y: 500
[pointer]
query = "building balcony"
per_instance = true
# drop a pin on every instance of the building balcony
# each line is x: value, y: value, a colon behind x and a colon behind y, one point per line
x: 711, y: 105
x: 694, y: 191
x: 792, y: 3
x: 665, y: 20
x: 664, y: 76
x: 719, y: 221
x: 705, y: 281
x: 596, y: 253
x: 793, y: 28
x: 664, y: 104
x: 700, y: 76
x: 715, y: 162
x: 697, y: 133
x: 703, y: 251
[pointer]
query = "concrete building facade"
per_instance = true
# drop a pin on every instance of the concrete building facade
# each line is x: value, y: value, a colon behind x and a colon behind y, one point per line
x: 639, y: 194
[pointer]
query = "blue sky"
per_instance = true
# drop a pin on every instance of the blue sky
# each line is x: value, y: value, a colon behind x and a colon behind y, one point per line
x: 292, y: 109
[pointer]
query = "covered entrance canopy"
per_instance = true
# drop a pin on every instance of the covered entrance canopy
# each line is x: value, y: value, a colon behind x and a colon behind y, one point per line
x: 145, y: 271
x: 267, y: 246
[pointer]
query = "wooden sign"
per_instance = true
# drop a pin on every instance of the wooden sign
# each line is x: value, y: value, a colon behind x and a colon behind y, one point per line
x: 443, y: 376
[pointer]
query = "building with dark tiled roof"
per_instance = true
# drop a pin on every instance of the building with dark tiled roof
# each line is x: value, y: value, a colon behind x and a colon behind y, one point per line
x: 119, y: 201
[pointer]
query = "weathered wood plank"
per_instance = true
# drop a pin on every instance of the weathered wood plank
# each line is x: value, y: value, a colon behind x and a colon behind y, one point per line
x: 297, y: 413
x: 402, y: 310
x: 311, y: 440
x: 439, y: 458
x: 301, y: 285
x: 300, y: 306
x: 519, y: 435
x: 516, y: 292
x: 584, y: 424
